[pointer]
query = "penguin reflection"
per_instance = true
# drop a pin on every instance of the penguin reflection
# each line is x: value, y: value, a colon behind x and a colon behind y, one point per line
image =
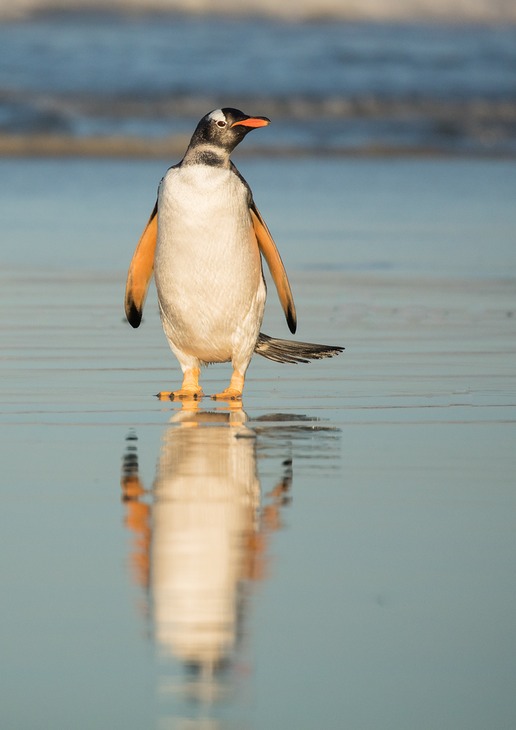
x: 202, y: 536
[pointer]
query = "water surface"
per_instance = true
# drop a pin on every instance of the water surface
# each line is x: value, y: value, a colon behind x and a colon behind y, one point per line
x: 340, y: 551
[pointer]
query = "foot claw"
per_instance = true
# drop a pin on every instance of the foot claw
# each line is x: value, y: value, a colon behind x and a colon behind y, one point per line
x: 181, y: 394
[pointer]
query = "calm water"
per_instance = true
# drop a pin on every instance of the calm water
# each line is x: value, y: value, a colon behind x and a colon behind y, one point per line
x: 451, y: 220
x: 327, y: 85
x: 339, y: 553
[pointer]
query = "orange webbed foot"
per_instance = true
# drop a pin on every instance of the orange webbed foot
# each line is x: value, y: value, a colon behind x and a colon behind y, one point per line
x: 181, y: 394
x: 228, y: 394
x: 189, y: 390
x: 234, y: 389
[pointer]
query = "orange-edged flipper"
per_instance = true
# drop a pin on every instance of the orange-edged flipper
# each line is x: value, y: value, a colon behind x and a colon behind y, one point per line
x: 140, y: 271
x: 275, y: 264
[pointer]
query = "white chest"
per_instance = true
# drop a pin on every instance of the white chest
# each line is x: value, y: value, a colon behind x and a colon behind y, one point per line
x: 207, y: 266
x: 204, y: 229
x: 201, y: 207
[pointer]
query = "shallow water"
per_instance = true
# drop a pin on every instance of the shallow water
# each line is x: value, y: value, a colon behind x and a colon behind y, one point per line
x: 339, y: 553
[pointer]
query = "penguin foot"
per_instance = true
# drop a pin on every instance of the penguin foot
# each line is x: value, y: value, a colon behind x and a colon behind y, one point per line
x: 190, y: 388
x: 234, y: 389
x: 228, y: 394
x: 181, y: 394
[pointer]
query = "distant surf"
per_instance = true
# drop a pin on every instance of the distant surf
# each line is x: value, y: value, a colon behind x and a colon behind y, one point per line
x: 104, y: 83
x: 376, y: 10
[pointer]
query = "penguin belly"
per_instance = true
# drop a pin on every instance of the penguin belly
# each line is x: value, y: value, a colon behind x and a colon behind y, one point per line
x: 208, y: 269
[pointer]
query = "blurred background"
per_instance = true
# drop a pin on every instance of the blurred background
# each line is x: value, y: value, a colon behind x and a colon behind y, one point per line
x: 132, y: 77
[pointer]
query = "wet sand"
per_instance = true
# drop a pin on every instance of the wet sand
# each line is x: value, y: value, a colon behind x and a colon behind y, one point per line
x: 339, y: 553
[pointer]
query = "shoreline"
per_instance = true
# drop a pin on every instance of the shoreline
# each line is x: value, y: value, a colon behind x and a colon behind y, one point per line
x: 116, y: 147
x: 438, y: 13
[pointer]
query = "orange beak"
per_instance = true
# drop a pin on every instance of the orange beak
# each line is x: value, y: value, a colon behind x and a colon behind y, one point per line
x: 253, y: 122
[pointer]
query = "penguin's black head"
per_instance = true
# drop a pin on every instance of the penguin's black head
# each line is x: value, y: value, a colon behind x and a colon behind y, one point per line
x: 224, y: 129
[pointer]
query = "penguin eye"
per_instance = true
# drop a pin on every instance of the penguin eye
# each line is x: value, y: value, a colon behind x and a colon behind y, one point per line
x: 221, y: 123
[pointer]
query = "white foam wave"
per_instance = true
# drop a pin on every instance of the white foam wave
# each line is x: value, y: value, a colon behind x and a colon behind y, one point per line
x: 380, y: 10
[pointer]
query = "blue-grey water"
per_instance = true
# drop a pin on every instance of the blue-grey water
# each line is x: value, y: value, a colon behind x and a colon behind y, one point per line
x: 338, y: 553
x: 327, y: 84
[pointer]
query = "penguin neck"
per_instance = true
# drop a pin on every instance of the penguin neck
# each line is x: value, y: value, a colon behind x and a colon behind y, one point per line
x: 206, y: 155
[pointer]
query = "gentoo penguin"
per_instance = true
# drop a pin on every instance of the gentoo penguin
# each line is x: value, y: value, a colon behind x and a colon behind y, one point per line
x: 203, y: 241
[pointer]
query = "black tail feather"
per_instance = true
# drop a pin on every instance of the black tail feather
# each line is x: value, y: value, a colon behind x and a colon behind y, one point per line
x: 292, y: 351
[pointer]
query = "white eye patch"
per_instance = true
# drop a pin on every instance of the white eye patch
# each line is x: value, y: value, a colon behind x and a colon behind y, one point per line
x: 217, y: 116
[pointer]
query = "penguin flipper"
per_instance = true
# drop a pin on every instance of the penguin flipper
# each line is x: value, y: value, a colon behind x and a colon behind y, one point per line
x: 279, y: 275
x: 140, y: 271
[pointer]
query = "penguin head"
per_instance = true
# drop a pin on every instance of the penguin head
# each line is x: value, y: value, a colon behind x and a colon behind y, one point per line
x: 224, y: 129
